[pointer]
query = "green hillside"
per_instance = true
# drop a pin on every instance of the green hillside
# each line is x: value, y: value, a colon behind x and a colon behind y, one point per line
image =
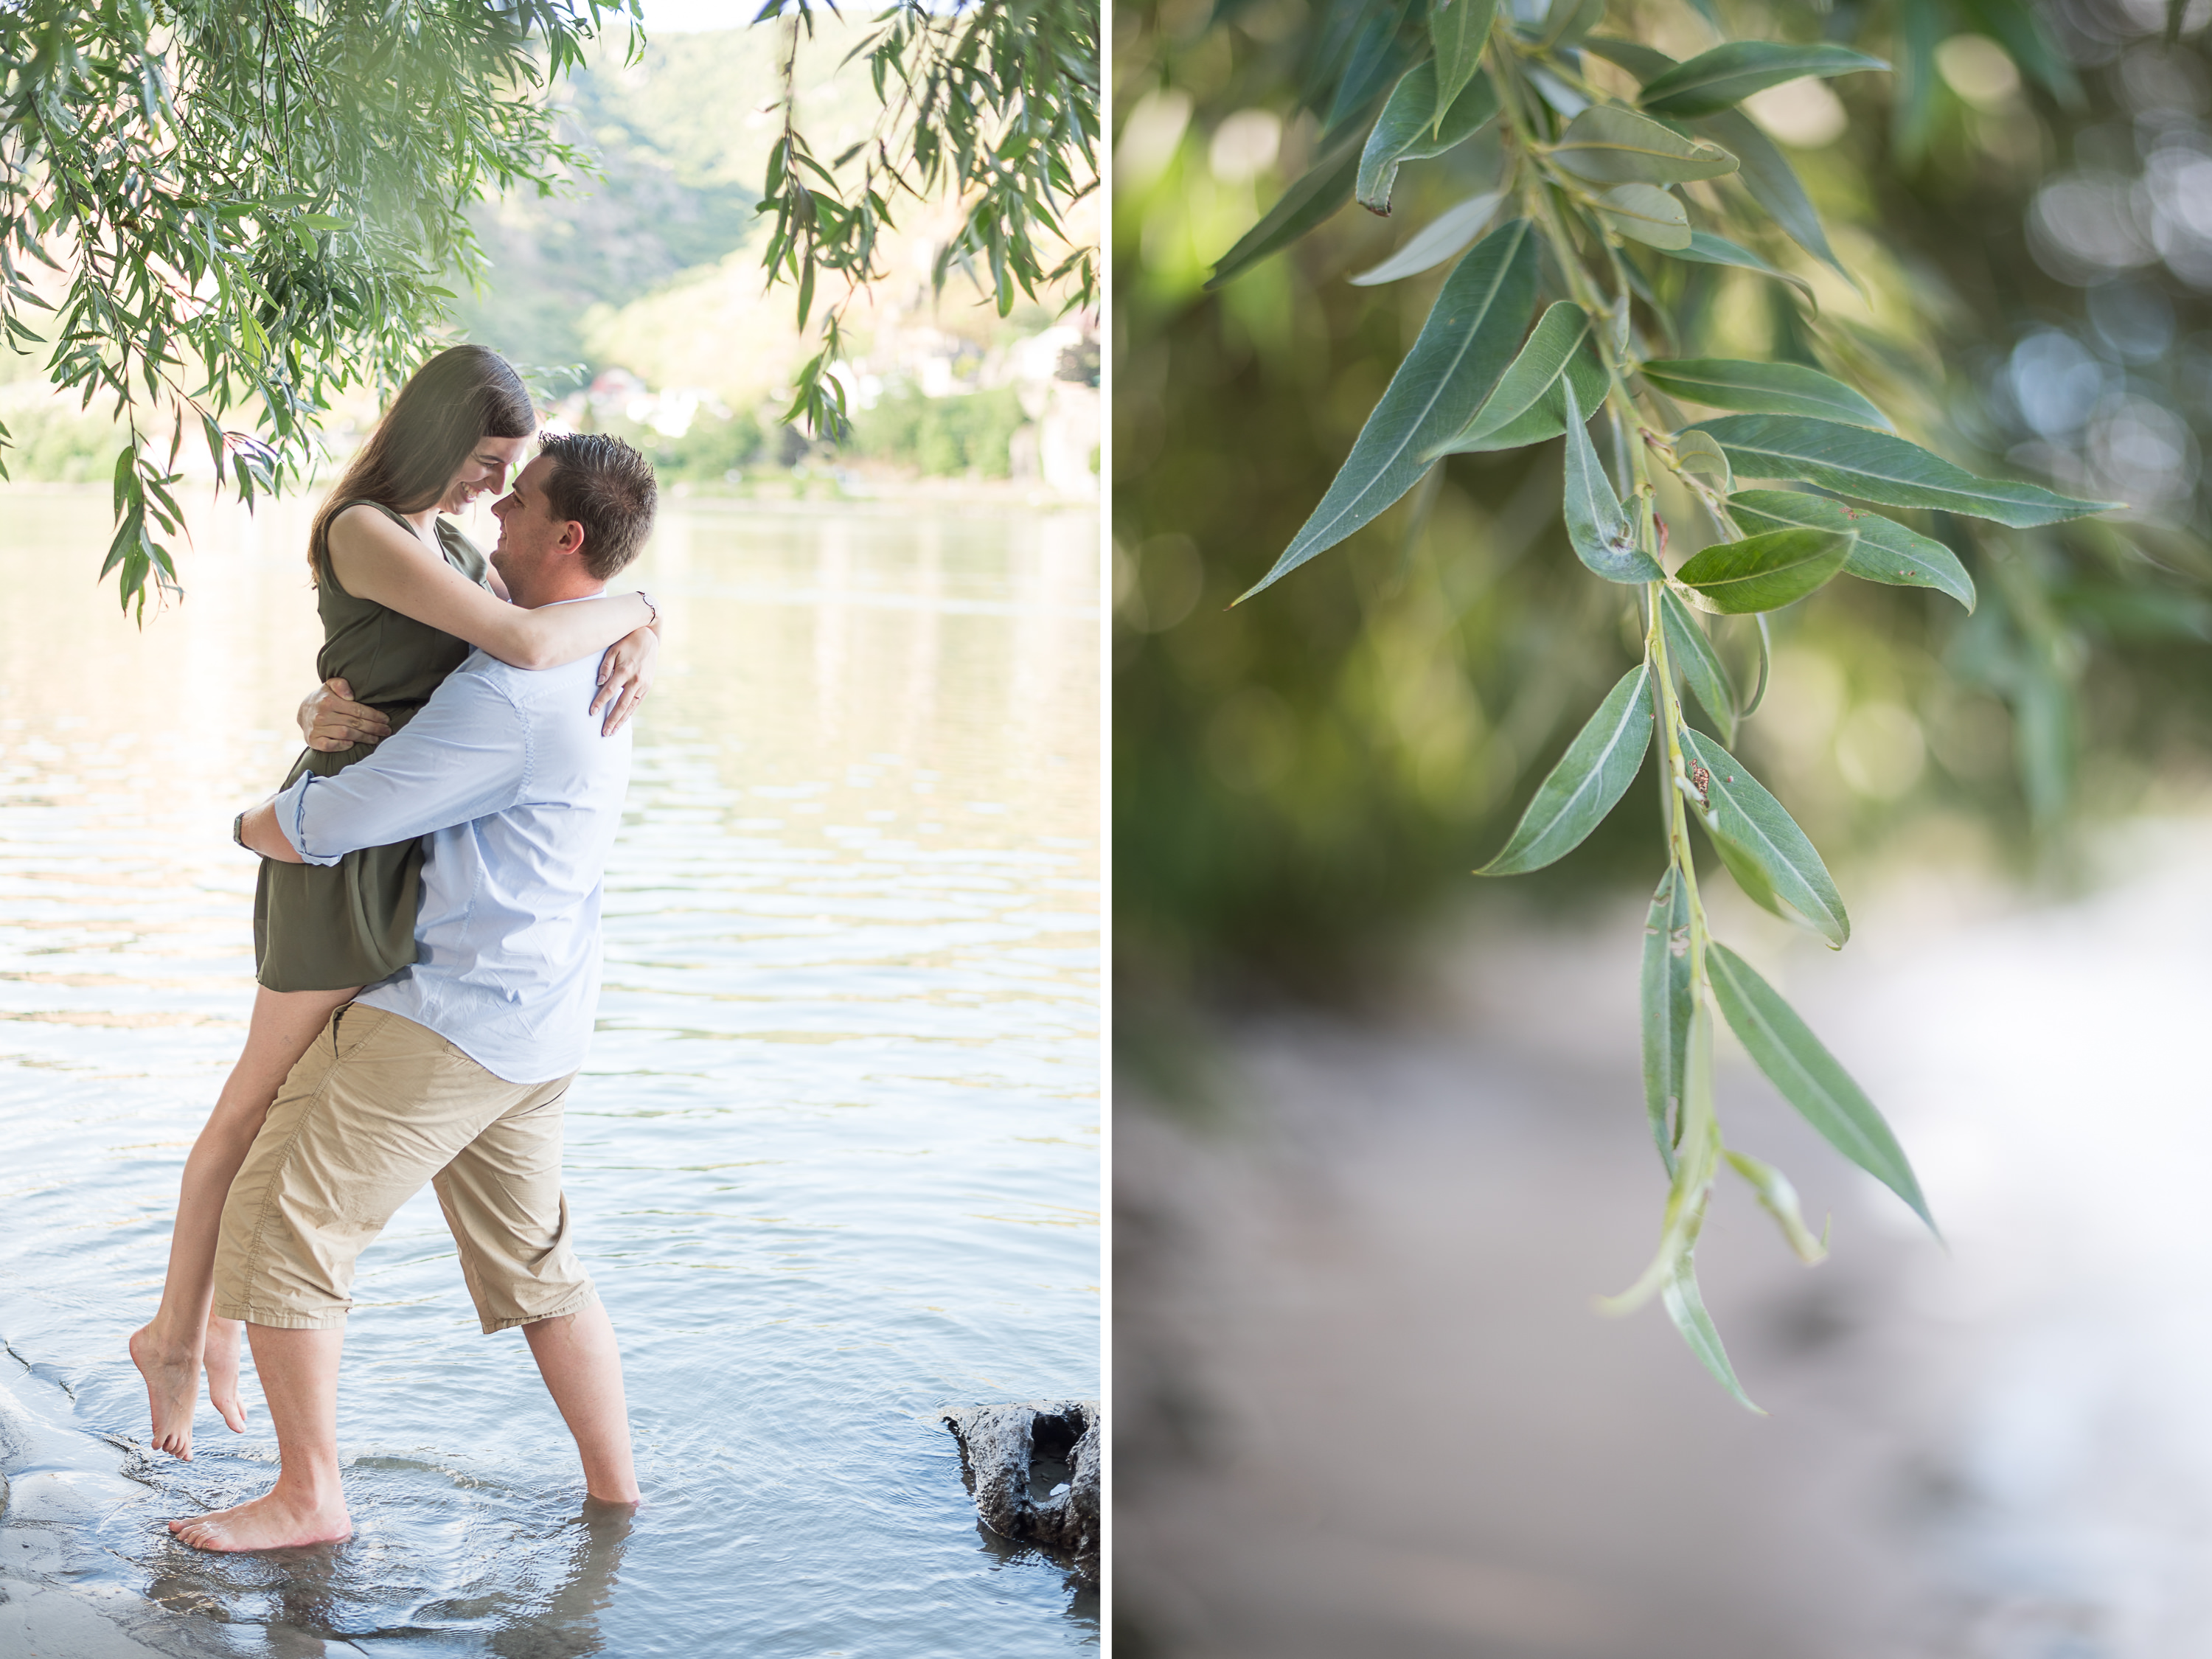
x: 682, y: 137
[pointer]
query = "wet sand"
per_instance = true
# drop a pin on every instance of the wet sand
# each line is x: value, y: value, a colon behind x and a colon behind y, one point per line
x: 1366, y: 1406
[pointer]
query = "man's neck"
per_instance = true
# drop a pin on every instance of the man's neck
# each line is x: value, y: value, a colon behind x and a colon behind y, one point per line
x: 560, y: 593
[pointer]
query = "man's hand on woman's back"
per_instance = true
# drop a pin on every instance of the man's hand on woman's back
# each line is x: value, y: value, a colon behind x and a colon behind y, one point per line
x: 331, y: 721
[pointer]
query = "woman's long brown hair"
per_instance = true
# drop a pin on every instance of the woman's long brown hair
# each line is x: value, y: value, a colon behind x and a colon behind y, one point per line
x: 464, y: 395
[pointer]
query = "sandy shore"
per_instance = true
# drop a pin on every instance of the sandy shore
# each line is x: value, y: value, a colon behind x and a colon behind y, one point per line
x: 59, y: 1478
x: 39, y: 1620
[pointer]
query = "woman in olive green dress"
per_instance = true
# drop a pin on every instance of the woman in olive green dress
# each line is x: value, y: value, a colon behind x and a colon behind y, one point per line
x: 403, y: 595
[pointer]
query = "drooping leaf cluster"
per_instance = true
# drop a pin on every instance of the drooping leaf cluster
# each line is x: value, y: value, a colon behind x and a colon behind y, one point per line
x: 222, y: 217
x: 1601, y: 179
x: 993, y: 105
x: 1302, y: 784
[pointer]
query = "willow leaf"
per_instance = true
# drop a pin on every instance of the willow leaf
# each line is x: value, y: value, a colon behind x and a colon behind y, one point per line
x: 1411, y: 113
x: 1646, y: 214
x: 1694, y: 451
x: 1314, y: 197
x: 1665, y: 987
x: 1557, y: 334
x: 1767, y: 571
x: 1697, y: 1161
x: 1645, y: 63
x: 1692, y: 655
x: 1587, y: 783
x: 1706, y: 249
x: 1784, y: 1047
x: 1766, y: 668
x: 1772, y: 182
x: 1469, y: 337
x: 1606, y: 144
x: 1885, y: 551
x: 1603, y: 535
x: 1435, y: 242
x: 1730, y: 73
x: 1880, y: 467
x: 1409, y: 131
x: 1762, y: 389
x: 1380, y: 49
x: 1548, y: 419
x: 1761, y: 844
x: 1566, y: 21
x: 1687, y: 1308
x: 1920, y: 31
x: 1474, y: 108
x: 1459, y: 29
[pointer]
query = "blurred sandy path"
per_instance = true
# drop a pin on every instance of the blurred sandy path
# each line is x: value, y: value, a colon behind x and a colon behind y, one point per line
x: 1364, y: 1407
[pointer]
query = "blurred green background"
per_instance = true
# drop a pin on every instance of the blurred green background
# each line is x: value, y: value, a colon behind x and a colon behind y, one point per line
x: 1303, y: 783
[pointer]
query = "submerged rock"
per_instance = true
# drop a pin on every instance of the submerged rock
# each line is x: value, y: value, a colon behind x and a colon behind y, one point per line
x: 999, y: 1447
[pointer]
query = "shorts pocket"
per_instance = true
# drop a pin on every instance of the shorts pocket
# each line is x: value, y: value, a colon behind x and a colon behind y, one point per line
x: 352, y: 1026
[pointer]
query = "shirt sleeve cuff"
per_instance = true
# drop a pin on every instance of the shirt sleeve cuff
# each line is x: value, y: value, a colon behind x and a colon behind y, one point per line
x: 291, y: 807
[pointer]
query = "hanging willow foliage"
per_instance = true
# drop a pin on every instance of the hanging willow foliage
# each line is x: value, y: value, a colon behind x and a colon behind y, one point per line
x: 1547, y: 329
x: 994, y: 107
x: 210, y: 212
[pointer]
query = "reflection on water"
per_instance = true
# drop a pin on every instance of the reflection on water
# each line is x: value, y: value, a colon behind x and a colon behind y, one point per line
x: 834, y: 1156
x: 524, y: 1583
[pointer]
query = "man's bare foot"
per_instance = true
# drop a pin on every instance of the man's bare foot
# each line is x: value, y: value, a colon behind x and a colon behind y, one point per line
x: 221, y: 1360
x: 275, y: 1521
x: 172, y: 1374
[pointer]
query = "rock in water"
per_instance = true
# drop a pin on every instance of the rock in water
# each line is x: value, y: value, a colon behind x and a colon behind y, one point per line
x: 998, y: 1444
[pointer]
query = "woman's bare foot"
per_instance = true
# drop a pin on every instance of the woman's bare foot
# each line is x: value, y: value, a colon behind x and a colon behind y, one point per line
x: 221, y: 1360
x: 275, y: 1521
x: 172, y: 1374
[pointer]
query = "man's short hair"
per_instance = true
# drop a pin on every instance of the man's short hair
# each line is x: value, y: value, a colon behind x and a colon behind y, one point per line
x: 607, y: 487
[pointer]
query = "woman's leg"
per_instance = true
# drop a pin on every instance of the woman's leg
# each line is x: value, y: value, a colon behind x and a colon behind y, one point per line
x: 170, y: 1348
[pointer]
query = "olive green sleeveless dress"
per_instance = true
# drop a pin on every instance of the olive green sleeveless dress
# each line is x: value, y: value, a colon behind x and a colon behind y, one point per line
x: 324, y: 927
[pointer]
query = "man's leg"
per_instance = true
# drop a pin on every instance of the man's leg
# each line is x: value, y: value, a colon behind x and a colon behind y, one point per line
x: 577, y: 1356
x: 299, y: 1371
x: 501, y: 1196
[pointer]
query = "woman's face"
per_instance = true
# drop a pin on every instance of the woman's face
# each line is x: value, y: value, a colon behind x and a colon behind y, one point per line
x: 484, y: 472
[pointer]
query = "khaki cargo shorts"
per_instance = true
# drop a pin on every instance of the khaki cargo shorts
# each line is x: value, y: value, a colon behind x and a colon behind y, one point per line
x: 377, y: 1107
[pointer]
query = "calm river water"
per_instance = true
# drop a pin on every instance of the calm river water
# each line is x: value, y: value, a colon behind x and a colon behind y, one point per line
x: 835, y: 1155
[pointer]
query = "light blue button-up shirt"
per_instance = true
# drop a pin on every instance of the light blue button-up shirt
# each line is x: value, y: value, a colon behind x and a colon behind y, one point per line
x: 505, y: 774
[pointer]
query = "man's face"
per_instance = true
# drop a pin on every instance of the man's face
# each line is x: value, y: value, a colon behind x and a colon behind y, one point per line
x: 530, y: 537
